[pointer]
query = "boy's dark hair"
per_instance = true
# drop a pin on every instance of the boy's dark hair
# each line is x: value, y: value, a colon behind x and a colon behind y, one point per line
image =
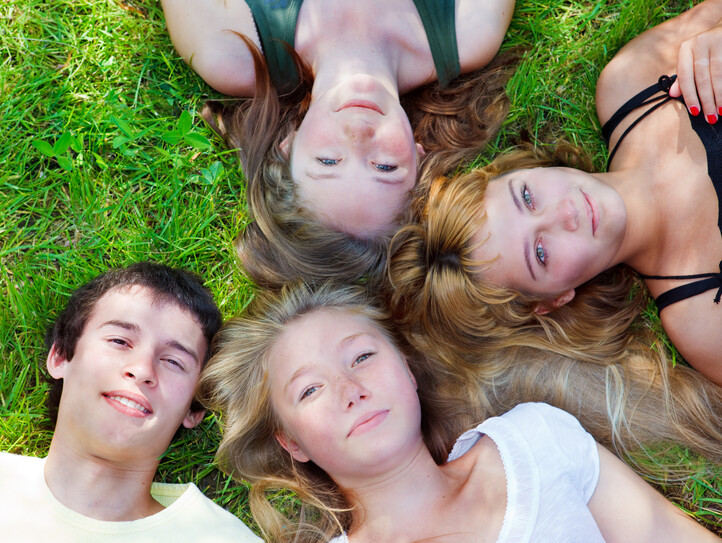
x: 167, y: 284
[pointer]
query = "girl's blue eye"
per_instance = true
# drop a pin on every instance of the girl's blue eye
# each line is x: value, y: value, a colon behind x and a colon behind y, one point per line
x: 360, y: 358
x: 310, y: 390
x: 541, y: 254
x: 385, y: 167
x: 328, y: 161
x: 526, y: 195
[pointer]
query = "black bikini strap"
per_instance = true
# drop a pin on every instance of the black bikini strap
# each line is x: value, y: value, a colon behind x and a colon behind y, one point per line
x: 713, y: 280
x: 640, y: 99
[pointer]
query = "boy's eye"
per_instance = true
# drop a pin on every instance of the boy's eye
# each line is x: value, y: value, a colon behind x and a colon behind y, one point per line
x: 541, y: 253
x: 385, y: 167
x: 119, y: 341
x: 328, y: 161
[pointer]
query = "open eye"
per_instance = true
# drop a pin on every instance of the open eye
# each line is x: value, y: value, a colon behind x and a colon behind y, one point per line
x: 385, y: 167
x: 328, y: 161
x: 526, y: 196
x: 541, y: 253
x: 361, y: 358
x: 308, y: 391
x: 119, y: 341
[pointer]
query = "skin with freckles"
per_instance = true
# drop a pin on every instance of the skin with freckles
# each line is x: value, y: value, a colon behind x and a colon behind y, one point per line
x: 354, y: 158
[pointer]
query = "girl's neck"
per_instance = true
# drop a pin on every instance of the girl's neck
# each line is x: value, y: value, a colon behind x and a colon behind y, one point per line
x: 336, y: 61
x: 394, y: 503
x: 640, y: 241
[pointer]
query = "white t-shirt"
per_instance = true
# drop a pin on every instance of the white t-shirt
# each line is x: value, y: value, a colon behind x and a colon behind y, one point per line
x: 552, y: 468
x: 30, y: 513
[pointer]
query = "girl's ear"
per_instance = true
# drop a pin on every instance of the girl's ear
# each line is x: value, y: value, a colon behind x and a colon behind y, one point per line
x: 285, y: 146
x: 542, y: 308
x: 56, y: 363
x: 292, y: 447
x: 194, y: 418
x: 420, y: 151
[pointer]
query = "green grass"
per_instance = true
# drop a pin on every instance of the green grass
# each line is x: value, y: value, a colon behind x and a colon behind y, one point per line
x: 106, y: 162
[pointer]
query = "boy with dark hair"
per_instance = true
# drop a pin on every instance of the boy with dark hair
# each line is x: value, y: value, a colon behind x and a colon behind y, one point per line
x: 126, y: 352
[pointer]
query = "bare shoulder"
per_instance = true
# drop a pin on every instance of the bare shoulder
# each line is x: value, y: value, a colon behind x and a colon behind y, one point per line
x: 653, y: 53
x: 206, y: 33
x: 480, y: 29
x: 693, y: 326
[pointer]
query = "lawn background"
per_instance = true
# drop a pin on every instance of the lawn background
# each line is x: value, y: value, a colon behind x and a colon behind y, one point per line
x: 105, y: 162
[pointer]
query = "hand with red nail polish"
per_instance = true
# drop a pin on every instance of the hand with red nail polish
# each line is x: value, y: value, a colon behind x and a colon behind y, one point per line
x: 699, y: 74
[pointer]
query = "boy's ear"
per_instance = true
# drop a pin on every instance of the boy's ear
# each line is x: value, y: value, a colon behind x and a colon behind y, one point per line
x: 292, y: 447
x: 194, y: 418
x: 542, y: 308
x: 420, y: 151
x: 56, y: 363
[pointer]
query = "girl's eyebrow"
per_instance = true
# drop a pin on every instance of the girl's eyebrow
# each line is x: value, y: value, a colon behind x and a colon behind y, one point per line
x: 526, y: 247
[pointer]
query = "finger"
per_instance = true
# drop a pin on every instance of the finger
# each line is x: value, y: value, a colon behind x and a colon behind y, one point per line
x: 715, y: 70
x: 685, y: 78
x: 703, y: 81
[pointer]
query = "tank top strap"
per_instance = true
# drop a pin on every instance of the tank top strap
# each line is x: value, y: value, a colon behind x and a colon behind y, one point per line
x: 439, y: 20
x: 640, y: 99
x: 705, y: 282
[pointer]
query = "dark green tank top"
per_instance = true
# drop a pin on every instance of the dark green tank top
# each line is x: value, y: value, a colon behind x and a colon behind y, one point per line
x: 276, y: 24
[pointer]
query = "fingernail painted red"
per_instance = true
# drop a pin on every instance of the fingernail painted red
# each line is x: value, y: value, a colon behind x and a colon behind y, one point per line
x: 694, y: 110
x: 719, y: 110
x: 711, y: 119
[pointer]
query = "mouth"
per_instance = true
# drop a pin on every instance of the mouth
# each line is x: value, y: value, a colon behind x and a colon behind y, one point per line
x: 361, y: 104
x: 368, y: 422
x: 591, y: 213
x: 129, y: 404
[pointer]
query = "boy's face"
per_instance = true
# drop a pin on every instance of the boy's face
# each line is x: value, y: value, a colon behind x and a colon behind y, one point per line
x: 130, y: 383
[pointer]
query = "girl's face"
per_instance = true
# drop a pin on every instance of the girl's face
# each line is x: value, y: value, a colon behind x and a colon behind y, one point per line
x: 344, y: 395
x: 354, y: 158
x: 550, y: 230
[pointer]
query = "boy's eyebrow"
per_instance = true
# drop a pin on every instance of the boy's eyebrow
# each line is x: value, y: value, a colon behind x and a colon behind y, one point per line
x: 132, y: 327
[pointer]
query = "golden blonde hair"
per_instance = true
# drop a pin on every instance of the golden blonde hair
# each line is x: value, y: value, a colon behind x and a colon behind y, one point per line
x: 636, y: 401
x: 235, y: 382
x: 286, y: 242
x: 434, y: 286
x: 587, y: 357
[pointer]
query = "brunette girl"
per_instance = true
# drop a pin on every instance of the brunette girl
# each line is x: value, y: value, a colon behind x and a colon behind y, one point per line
x: 329, y: 153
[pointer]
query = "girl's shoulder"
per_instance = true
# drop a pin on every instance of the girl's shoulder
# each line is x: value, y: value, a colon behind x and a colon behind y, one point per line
x: 480, y: 29
x: 650, y: 55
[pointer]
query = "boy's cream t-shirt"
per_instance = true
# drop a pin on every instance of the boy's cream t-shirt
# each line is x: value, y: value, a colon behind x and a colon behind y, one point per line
x: 30, y: 513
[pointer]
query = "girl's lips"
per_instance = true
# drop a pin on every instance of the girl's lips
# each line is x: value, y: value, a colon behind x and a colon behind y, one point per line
x: 363, y: 104
x: 592, y: 213
x: 368, y: 422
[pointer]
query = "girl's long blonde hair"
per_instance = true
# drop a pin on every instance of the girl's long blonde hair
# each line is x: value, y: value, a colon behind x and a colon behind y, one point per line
x: 235, y: 382
x: 634, y: 401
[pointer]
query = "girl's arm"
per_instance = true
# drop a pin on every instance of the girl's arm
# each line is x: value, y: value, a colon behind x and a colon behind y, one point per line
x: 204, y: 33
x: 628, y: 509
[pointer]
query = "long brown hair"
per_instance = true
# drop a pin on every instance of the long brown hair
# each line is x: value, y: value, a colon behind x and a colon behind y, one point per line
x: 286, y: 242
